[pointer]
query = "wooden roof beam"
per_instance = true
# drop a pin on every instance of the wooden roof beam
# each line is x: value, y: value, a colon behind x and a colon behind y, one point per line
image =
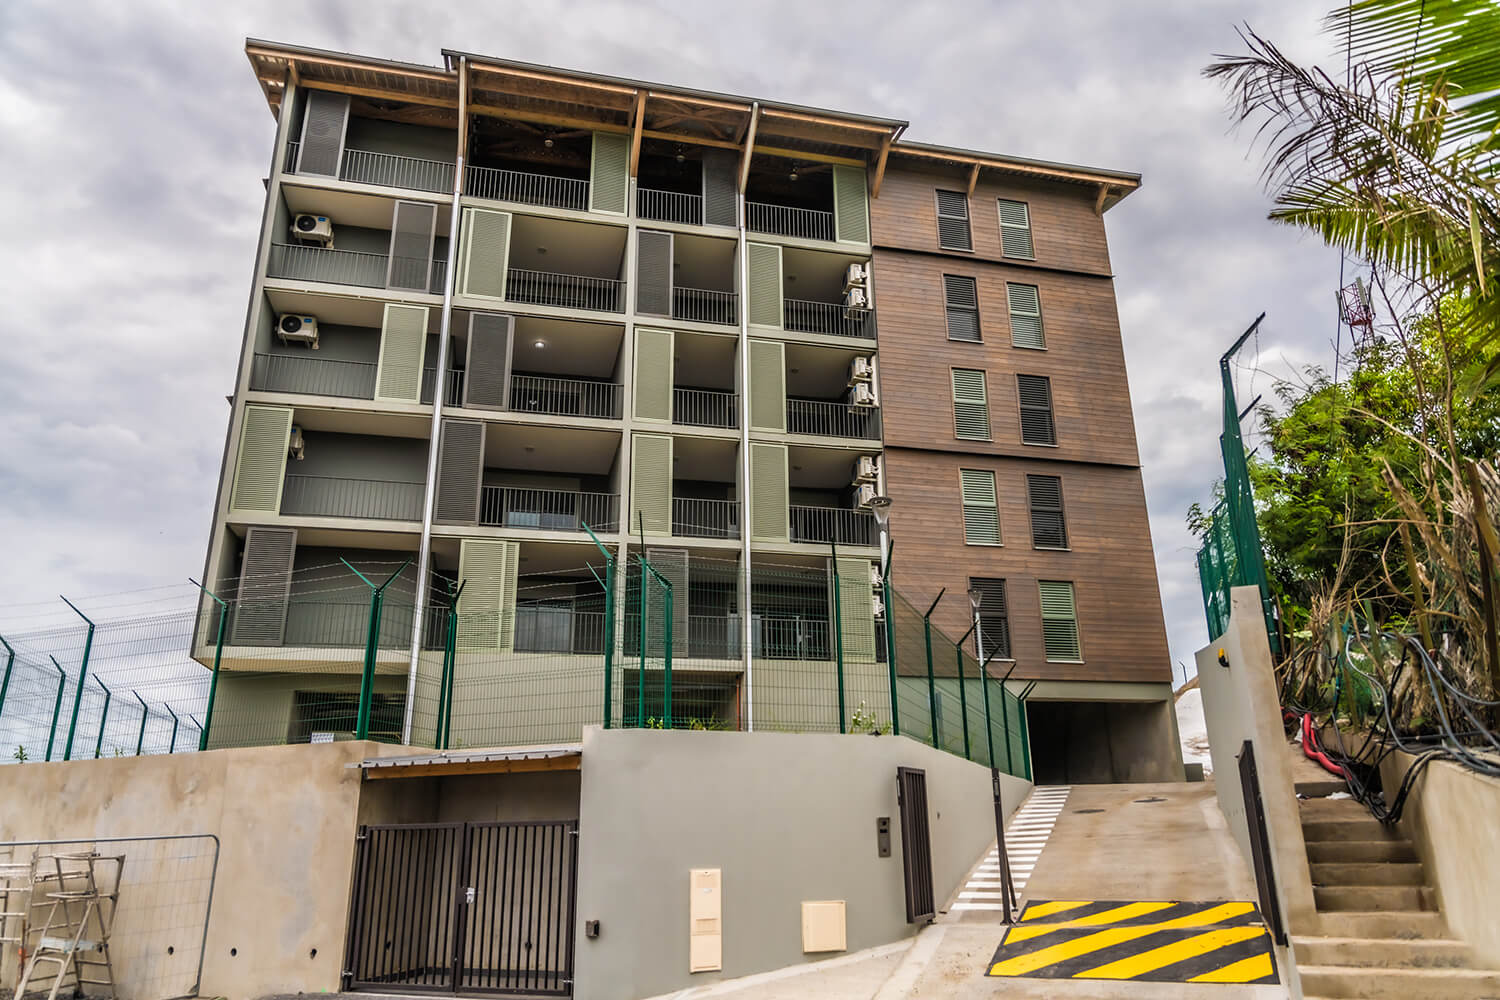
x: 546, y: 118
x: 439, y: 75
x: 689, y: 140
x: 973, y: 179
x: 749, y: 147
x: 885, y: 152
x: 378, y: 93
x: 827, y: 122
x: 635, y: 140
x: 623, y: 93
x: 806, y: 157
x: 1099, y: 201
x: 1019, y: 168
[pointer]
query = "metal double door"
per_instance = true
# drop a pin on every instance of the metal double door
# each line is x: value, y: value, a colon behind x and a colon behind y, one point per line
x: 468, y: 908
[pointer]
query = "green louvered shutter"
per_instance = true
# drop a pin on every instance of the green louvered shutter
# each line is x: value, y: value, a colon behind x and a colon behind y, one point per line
x: 460, y: 468
x: 653, y: 375
x: 764, y: 264
x: 767, y: 385
x: 487, y: 607
x: 485, y: 250
x: 672, y: 564
x: 1025, y: 316
x: 851, y: 217
x: 651, y: 484
x: 856, y: 609
x: 981, y: 516
x: 403, y: 347
x: 259, y: 616
x: 1059, y: 620
x: 769, y: 492
x: 609, y: 173
x: 971, y: 407
x: 260, y: 466
x: 1015, y: 230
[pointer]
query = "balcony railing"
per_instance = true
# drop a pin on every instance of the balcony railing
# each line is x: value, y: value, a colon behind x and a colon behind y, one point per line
x: 705, y: 518
x: 558, y: 628
x: 568, y: 291
x: 526, y: 188
x: 845, y: 420
x: 348, y: 267
x: 547, y: 510
x: 832, y: 524
x: 669, y: 206
x: 830, y: 318
x: 455, y: 382
x: 363, y: 166
x: 782, y: 220
x: 564, y: 397
x: 328, y: 496
x: 789, y: 637
x: 704, y: 305
x: 704, y: 408
x: 312, y: 376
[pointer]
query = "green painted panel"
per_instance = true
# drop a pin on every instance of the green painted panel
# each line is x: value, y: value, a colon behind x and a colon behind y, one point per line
x: 260, y: 467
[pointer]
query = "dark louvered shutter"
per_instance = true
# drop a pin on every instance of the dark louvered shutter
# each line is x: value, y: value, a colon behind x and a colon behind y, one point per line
x: 265, y: 585
x: 953, y: 221
x: 412, y: 230
x: 1049, y: 530
x: 653, y: 273
x: 719, y: 166
x: 1035, y: 392
x: 487, y: 380
x: 994, y: 616
x: 323, y: 125
x: 460, y: 466
x: 961, y: 299
x: 1015, y: 230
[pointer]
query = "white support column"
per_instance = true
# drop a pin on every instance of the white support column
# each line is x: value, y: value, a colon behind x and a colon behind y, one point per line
x: 747, y: 627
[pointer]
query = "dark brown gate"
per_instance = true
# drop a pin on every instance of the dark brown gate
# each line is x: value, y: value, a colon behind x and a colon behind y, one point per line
x: 916, y: 844
x: 476, y: 908
x: 1260, y: 843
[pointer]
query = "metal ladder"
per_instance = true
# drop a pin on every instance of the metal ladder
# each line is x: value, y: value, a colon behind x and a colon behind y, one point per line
x: 74, y: 937
x: 17, y: 875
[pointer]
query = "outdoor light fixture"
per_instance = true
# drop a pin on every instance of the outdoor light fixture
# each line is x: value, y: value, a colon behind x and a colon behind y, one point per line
x: 681, y: 158
x: 881, y: 508
x: 975, y: 596
x: 793, y: 175
x: 539, y: 344
x: 547, y: 142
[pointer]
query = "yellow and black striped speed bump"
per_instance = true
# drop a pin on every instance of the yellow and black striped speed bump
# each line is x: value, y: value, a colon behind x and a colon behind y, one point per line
x: 1158, y: 942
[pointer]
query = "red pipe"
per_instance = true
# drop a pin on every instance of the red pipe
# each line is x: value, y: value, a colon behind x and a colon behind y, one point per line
x: 1315, y: 752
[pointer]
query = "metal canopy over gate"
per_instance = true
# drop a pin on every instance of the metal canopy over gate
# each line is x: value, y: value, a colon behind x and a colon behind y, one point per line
x: 464, y: 908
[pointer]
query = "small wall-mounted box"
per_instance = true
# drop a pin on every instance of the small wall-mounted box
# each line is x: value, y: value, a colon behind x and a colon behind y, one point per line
x: 705, y: 920
x: 823, y: 926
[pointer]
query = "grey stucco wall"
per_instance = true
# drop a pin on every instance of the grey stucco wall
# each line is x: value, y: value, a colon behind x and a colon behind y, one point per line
x: 787, y: 817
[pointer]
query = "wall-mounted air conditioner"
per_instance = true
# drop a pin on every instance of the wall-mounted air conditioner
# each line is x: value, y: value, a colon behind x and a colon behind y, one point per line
x: 866, y: 469
x: 295, y: 446
x: 855, y: 298
x: 295, y: 329
x: 855, y: 276
x: 875, y: 578
x: 862, y: 395
x: 860, y: 370
x: 313, y: 229
x: 865, y: 494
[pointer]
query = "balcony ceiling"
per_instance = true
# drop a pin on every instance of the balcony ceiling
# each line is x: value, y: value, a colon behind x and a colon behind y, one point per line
x: 571, y: 247
x: 347, y: 208
x: 704, y: 460
x: 820, y: 468
x: 819, y: 372
x: 342, y: 310
x: 340, y: 421
x: 536, y: 448
x: 590, y: 350
x: 704, y: 361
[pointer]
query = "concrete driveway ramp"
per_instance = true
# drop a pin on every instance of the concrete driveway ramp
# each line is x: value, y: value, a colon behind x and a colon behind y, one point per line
x: 1145, y: 941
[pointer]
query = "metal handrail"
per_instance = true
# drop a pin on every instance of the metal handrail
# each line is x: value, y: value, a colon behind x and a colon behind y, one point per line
x: 547, y: 510
x: 846, y: 420
x: 669, y: 206
x: 310, y: 376
x: 831, y: 318
x: 565, y: 397
x: 693, y: 518
x: 364, y: 166
x: 705, y: 305
x: 297, y: 262
x: 832, y: 524
x: 526, y: 188
x: 555, y: 628
x: 704, y: 408
x: 332, y: 496
x: 783, y: 220
x: 454, y: 396
x: 568, y: 291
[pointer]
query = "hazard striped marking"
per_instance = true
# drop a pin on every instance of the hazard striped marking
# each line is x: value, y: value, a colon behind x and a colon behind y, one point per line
x: 1025, y: 838
x: 1146, y: 940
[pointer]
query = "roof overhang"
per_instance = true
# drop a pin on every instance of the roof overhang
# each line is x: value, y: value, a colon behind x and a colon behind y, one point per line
x: 502, y: 760
x: 1110, y: 186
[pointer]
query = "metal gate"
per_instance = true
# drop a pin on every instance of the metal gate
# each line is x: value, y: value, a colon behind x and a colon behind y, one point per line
x: 916, y: 844
x: 1260, y: 843
x: 464, y: 908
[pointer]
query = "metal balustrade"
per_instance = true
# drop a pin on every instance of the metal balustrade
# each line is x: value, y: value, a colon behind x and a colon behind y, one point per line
x: 557, y: 628
x: 568, y: 291
x: 526, y: 188
x: 703, y: 305
x: 290, y: 167
x: 831, y: 318
x: 789, y: 637
x: 297, y: 262
x: 783, y: 220
x: 454, y: 396
x: 329, y: 496
x: 705, y: 518
x: 832, y: 524
x: 705, y: 408
x: 312, y: 376
x: 845, y: 420
x: 363, y: 166
x: 669, y: 206
x: 547, y: 510
x: 565, y: 397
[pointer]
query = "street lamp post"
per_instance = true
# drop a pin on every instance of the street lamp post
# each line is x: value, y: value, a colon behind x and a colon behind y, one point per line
x: 881, y: 508
x: 1007, y: 886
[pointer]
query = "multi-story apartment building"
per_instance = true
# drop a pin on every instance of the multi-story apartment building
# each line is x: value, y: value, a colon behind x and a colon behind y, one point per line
x: 502, y: 311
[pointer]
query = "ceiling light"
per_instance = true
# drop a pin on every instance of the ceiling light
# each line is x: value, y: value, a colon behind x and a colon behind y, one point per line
x: 547, y: 142
x: 680, y: 158
x: 793, y: 175
x: 541, y: 249
x: 539, y: 344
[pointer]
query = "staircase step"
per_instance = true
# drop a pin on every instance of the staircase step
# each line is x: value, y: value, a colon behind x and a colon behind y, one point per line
x: 1347, y: 829
x: 1374, y: 897
x: 1408, y: 925
x: 1352, y: 851
x: 1411, y: 953
x: 1399, y: 984
x: 1367, y: 873
x: 1318, y: 789
x: 1333, y: 809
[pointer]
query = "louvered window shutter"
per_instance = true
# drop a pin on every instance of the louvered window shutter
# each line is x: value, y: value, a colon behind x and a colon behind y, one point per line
x: 769, y: 493
x: 1035, y: 394
x: 981, y: 516
x: 609, y: 172
x: 413, y: 228
x: 1049, y: 529
x: 653, y: 375
x: 856, y: 609
x: 1015, y: 230
x: 403, y: 349
x: 1059, y: 621
x: 487, y: 606
x: 994, y: 616
x: 324, y: 123
x: 1025, y: 316
x: 720, y: 187
x: 259, y: 614
x: 487, y: 375
x: 767, y: 385
x: 260, y: 466
x: 764, y: 265
x: 485, y: 253
x: 672, y: 564
x: 961, y: 298
x: 971, y: 407
x: 953, y: 221
x: 851, y: 219
x: 460, y: 470
x: 651, y: 484
x: 653, y: 273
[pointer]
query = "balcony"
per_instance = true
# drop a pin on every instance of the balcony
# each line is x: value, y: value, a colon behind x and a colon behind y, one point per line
x: 312, y: 376
x: 329, y: 496
x: 350, y: 267
x: 548, y: 510
x: 454, y: 396
x: 832, y: 524
x: 557, y: 627
x: 783, y: 220
x: 527, y: 188
x: 831, y: 319
x: 363, y: 166
x: 565, y: 291
x: 844, y: 420
x: 565, y: 397
x: 705, y: 408
x: 703, y: 305
x: 705, y: 518
x: 669, y: 206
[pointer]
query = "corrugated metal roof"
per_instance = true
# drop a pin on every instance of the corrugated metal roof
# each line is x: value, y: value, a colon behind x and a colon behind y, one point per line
x: 473, y: 756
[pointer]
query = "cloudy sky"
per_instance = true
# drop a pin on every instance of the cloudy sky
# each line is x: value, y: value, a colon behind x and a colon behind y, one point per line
x: 136, y: 138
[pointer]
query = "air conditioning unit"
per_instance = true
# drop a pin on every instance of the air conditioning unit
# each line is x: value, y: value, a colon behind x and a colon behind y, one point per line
x: 862, y: 395
x: 855, y: 276
x: 860, y: 370
x: 295, y: 446
x: 295, y: 329
x: 865, y: 494
x: 879, y: 605
x: 313, y: 229
x: 855, y: 298
x: 876, y: 580
x: 866, y: 469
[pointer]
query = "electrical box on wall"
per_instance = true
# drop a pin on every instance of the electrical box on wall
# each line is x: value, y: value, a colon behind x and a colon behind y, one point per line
x: 705, y: 920
x: 823, y: 926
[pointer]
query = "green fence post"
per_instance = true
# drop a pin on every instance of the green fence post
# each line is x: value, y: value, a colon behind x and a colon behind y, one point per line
x: 83, y: 672
x: 10, y: 661
x: 609, y: 623
x: 838, y: 635
x: 1025, y: 733
x: 963, y: 695
x: 197, y: 724
x: 452, y: 655
x: 372, y: 648
x: 140, y: 741
x: 640, y: 675
x: 1010, y: 767
x: 213, y: 681
x: 172, y: 745
x: 103, y: 718
x: 666, y: 587
x: 931, y: 682
x: 890, y: 635
x: 667, y: 667
x: 62, y: 682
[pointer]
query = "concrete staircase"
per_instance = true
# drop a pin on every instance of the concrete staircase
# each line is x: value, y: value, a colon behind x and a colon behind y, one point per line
x: 1383, y: 936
